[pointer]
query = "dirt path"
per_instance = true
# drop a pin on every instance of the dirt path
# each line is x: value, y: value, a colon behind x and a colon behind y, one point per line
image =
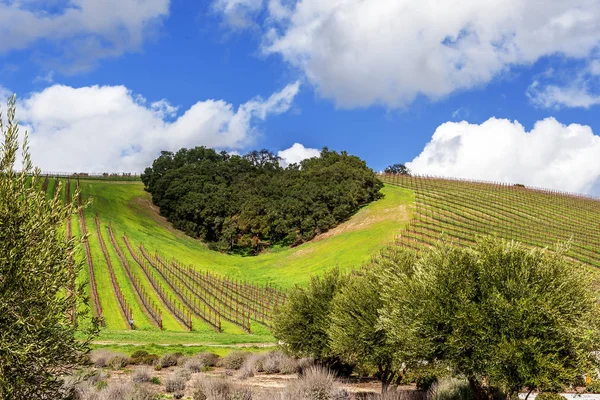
x: 237, y: 345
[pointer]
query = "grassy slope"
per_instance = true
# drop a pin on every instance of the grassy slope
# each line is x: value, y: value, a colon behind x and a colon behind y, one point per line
x: 128, y: 207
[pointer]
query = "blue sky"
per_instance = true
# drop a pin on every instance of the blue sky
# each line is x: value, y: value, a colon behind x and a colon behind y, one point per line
x: 104, y: 86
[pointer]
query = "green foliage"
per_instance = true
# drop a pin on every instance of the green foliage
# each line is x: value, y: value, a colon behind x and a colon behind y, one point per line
x: 354, y: 331
x: 245, y: 204
x: 516, y: 316
x: 593, y: 387
x: 397, y: 169
x: 155, y: 380
x: 37, y: 339
x: 302, y: 322
x: 549, y: 396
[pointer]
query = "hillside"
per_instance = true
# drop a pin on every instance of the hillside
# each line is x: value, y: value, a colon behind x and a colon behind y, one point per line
x: 157, y: 276
x: 461, y: 210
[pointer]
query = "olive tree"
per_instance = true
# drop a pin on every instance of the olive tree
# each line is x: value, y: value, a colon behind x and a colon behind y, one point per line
x: 301, y: 323
x: 354, y: 333
x: 38, y: 341
x: 503, y: 315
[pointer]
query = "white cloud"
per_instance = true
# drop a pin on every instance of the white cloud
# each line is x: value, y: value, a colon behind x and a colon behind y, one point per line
x: 551, y: 155
x: 48, y: 78
x: 575, y: 88
x: 297, y: 153
x: 388, y: 52
x: 238, y: 13
x: 108, y: 128
x: 83, y: 30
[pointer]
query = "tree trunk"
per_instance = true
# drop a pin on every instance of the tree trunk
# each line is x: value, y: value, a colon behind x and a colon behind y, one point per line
x: 478, y: 391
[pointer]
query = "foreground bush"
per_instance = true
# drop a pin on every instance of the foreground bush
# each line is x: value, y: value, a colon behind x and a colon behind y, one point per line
x: 315, y: 384
x: 234, y: 360
x: 38, y: 296
x: 116, y: 391
x: 506, y: 316
x: 219, y: 389
x: 451, y: 389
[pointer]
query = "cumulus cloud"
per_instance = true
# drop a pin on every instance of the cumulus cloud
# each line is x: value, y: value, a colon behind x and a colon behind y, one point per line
x: 575, y: 88
x: 108, y: 128
x: 388, y: 52
x: 83, y: 31
x: 297, y: 153
x: 551, y: 155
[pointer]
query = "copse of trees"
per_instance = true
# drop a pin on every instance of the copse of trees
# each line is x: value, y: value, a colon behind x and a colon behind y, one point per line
x: 501, y: 315
x: 397, y: 169
x: 246, y: 203
x: 37, y: 271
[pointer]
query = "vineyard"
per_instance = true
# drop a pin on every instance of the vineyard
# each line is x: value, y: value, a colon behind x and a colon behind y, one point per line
x: 461, y: 210
x: 149, y: 282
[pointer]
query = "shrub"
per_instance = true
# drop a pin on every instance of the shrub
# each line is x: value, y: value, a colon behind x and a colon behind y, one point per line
x: 138, y: 354
x: 118, y: 391
x: 315, y: 384
x: 95, y: 376
x: 288, y: 366
x: 549, y: 396
x: 183, y: 373
x: 194, y: 364
x: 142, y: 375
x: 168, y: 360
x: 451, y: 389
x: 272, y: 362
x: 234, y: 360
x: 174, y: 384
x: 141, y: 357
x: 305, y: 364
x: 219, y: 389
x: 398, y: 395
x: 100, y: 357
x: 118, y: 362
x: 86, y: 391
x: 247, y: 370
x: 208, y: 359
x: 155, y: 380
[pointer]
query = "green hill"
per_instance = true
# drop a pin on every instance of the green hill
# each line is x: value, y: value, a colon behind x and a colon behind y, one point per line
x: 461, y: 210
x: 168, y: 282
x: 129, y: 285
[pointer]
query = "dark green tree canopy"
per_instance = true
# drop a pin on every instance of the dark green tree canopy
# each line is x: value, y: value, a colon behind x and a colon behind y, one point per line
x: 397, y: 169
x: 246, y: 203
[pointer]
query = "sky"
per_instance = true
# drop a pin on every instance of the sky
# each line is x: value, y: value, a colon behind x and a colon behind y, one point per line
x: 504, y: 90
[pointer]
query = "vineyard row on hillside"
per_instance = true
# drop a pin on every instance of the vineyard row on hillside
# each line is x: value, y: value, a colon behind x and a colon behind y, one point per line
x: 150, y: 308
x: 126, y: 311
x: 258, y: 302
x: 180, y: 312
x: 97, y: 307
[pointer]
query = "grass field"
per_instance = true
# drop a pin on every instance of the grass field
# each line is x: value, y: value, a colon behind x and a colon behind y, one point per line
x: 128, y: 209
x: 415, y: 212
